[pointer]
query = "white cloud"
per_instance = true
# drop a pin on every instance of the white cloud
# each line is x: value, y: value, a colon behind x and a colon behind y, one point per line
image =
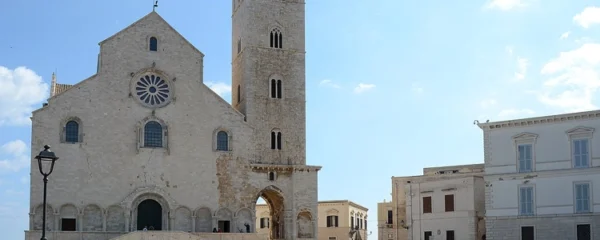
x: 574, y: 79
x: 18, y: 158
x: 522, y: 64
x: 219, y: 88
x: 486, y: 103
x: 20, y: 90
x: 588, y: 17
x: 506, y: 5
x: 416, y: 88
x: 362, y: 87
x: 512, y: 113
x: 565, y: 35
x: 329, y: 83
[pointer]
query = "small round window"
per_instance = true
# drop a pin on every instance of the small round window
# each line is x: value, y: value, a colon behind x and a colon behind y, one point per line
x: 152, y: 90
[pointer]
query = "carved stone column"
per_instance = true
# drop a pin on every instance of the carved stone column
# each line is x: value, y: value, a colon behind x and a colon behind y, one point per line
x: 170, y: 221
x: 56, y: 221
x: 127, y: 219
x: 194, y: 221
x: 79, y: 220
x: 104, y: 213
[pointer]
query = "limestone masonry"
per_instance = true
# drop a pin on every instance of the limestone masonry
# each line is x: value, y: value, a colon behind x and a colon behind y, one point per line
x: 143, y: 143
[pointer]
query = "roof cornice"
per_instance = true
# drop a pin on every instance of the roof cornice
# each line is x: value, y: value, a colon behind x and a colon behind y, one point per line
x: 540, y: 120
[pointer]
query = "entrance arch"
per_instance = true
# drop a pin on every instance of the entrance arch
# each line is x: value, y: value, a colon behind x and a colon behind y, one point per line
x: 273, y: 196
x: 149, y: 215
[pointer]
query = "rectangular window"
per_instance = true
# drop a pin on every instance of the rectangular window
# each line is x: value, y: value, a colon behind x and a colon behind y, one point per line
x: 360, y: 221
x: 332, y: 221
x: 390, y: 217
x: 68, y: 224
x: 581, y: 157
x: 526, y: 201
x: 332, y: 238
x: 426, y: 204
x: 449, y: 235
x: 449, y: 202
x: 525, y: 157
x: 264, y: 222
x: 584, y: 232
x: 582, y: 197
x: 428, y: 235
x: 351, y: 222
x: 527, y: 233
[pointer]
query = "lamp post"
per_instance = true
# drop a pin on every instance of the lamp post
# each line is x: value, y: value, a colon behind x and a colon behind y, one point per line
x: 45, y: 160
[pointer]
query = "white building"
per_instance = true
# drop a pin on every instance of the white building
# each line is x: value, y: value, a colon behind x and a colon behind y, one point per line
x: 443, y: 203
x: 143, y: 142
x: 542, y: 177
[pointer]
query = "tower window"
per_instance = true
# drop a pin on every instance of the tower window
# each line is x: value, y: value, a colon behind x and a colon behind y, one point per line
x: 239, y: 93
x: 72, y: 132
x: 153, y: 134
x: 271, y: 176
x: 239, y: 45
x: 276, y: 88
x: 153, y: 44
x: 222, y: 141
x: 276, y: 38
x: 276, y: 140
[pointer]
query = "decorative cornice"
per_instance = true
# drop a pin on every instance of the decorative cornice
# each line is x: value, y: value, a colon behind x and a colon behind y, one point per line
x: 284, y: 168
x: 541, y: 120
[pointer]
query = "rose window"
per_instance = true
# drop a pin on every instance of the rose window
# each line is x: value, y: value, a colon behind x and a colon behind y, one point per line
x: 152, y: 90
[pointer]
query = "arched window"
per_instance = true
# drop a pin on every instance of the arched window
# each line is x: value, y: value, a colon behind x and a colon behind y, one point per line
x: 276, y: 88
x: 271, y: 176
x: 276, y: 38
x: 153, y: 134
x: 72, y: 132
x: 222, y: 141
x: 153, y: 44
x: 276, y: 140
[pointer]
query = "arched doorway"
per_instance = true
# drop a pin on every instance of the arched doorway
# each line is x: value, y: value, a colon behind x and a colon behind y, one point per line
x: 149, y: 214
x: 273, y: 197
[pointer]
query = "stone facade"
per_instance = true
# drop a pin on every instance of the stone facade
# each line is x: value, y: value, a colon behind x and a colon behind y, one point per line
x: 563, y: 227
x: 144, y: 135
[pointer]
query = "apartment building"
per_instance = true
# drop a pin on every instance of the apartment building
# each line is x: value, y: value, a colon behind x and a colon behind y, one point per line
x: 337, y: 218
x: 542, y: 176
x: 443, y: 203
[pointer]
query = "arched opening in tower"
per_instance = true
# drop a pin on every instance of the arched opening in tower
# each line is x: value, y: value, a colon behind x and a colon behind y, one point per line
x: 270, y: 206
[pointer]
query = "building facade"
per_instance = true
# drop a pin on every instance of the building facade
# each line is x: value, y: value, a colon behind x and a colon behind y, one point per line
x: 541, y: 177
x: 143, y: 143
x: 443, y: 203
x: 385, y: 222
x: 336, y: 219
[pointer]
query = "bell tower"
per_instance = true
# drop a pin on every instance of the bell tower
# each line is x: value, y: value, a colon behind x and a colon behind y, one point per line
x: 268, y: 76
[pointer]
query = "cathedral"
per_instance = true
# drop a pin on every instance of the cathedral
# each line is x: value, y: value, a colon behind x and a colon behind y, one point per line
x: 144, y: 144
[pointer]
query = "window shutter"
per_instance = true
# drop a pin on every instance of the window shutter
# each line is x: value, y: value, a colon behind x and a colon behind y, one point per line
x: 328, y: 221
x: 449, y: 202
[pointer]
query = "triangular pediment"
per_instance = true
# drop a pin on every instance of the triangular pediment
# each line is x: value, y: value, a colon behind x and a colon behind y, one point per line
x: 333, y: 211
x: 149, y: 17
x: 580, y: 129
x: 525, y: 135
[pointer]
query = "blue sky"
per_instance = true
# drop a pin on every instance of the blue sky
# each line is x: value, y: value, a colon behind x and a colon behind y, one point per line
x: 387, y: 81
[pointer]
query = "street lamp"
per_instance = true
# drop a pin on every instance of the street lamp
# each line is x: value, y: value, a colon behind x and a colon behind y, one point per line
x: 45, y: 160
